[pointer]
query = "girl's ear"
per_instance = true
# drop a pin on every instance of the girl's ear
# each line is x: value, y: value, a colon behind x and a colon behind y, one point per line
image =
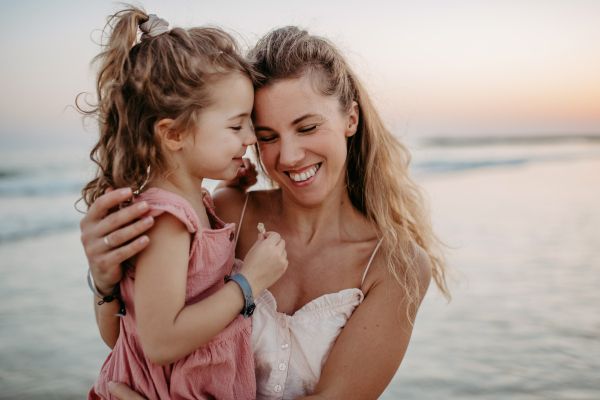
x: 169, y: 137
x: 353, y: 118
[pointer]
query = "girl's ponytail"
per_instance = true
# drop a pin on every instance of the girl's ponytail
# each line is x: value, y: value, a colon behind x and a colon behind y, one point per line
x: 166, y: 74
x: 114, y: 59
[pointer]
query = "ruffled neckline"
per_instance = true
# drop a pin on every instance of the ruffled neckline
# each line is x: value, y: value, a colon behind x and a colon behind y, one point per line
x: 327, y: 301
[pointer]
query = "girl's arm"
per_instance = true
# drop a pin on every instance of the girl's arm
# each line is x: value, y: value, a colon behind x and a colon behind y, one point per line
x: 169, y: 330
x: 368, y: 352
x: 370, y: 348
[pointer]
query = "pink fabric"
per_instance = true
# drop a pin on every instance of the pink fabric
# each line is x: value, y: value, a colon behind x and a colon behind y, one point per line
x: 221, y: 369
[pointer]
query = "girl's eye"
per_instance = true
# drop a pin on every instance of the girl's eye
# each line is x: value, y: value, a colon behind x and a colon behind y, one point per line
x: 236, y: 128
x: 312, y: 128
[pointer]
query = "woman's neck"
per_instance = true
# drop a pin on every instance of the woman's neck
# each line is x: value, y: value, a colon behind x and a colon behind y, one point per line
x: 334, y: 218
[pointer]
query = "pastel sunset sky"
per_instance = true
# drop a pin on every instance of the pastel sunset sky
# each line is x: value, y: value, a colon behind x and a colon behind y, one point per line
x: 434, y: 67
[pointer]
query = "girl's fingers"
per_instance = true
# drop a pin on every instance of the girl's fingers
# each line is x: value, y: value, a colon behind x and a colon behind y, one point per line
x: 117, y: 256
x: 123, y: 392
x: 119, y: 218
x: 108, y: 200
x: 126, y: 234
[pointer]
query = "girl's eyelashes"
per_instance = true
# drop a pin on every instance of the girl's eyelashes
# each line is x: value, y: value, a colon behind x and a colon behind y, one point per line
x: 237, y: 128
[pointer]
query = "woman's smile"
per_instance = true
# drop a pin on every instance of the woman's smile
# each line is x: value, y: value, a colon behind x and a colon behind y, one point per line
x: 303, y: 176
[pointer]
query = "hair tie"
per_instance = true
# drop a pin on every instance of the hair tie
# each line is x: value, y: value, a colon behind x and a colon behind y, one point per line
x: 154, y: 26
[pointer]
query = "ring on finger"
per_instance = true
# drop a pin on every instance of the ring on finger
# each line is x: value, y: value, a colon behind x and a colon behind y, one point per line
x: 107, y: 243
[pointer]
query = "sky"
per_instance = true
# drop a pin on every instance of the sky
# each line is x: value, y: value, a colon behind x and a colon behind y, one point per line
x: 435, y: 68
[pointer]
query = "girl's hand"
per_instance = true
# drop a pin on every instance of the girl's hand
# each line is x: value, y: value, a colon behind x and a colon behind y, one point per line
x: 246, y: 177
x: 265, y: 263
x: 123, y: 392
x: 120, y: 232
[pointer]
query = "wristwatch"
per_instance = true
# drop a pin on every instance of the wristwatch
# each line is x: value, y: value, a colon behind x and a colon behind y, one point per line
x: 246, y: 290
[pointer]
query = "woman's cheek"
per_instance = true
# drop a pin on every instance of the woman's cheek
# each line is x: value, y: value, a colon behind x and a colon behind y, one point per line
x: 268, y: 156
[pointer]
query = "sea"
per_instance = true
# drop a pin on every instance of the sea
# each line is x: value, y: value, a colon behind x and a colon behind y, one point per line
x: 520, y: 216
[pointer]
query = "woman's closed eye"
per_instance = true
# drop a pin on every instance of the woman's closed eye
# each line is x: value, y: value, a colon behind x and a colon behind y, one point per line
x: 267, y: 139
x: 308, y: 129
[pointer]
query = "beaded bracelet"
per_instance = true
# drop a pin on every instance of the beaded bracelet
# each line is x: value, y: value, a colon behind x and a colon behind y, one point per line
x: 116, y: 295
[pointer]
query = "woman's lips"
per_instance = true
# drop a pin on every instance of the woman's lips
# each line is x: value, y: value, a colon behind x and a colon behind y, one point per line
x: 303, y: 176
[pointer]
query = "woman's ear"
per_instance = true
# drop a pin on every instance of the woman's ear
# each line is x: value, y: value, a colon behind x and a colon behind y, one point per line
x: 169, y: 137
x: 353, y: 119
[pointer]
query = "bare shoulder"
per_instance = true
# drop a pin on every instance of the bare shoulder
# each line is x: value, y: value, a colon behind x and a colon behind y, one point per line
x: 422, y: 263
x: 228, y: 204
x: 381, y: 276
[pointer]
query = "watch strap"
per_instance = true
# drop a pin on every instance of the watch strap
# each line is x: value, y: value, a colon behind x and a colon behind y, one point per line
x: 247, y: 291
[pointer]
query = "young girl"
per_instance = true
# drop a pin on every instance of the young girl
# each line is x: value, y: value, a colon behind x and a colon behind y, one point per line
x: 174, y: 108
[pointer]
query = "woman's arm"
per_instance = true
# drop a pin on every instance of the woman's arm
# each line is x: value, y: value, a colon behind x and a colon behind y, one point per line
x: 105, y: 263
x: 371, y: 347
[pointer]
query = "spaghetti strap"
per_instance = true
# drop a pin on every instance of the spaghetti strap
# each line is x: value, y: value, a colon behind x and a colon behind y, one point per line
x: 369, y: 264
x: 242, y: 218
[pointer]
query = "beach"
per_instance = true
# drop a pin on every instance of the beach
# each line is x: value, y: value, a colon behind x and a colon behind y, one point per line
x: 523, y: 323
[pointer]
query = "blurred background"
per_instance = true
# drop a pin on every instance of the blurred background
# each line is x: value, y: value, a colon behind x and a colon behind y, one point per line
x: 499, y: 102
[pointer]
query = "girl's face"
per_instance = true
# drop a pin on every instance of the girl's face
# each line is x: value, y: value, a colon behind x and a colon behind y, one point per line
x: 224, y: 131
x: 302, y: 137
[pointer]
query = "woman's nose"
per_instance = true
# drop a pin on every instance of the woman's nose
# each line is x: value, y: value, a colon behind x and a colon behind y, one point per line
x: 290, y: 151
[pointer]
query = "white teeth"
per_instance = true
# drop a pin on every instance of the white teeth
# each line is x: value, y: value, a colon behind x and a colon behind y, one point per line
x: 305, y: 175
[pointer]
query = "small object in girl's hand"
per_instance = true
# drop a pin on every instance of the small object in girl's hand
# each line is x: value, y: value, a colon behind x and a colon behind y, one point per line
x: 261, y: 228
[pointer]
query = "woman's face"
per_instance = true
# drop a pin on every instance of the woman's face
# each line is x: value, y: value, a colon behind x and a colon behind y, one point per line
x: 302, y: 137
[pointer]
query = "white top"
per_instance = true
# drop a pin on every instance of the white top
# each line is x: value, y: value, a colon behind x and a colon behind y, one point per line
x: 290, y: 351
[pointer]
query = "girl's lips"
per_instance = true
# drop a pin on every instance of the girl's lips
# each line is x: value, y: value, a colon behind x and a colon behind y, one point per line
x: 238, y: 159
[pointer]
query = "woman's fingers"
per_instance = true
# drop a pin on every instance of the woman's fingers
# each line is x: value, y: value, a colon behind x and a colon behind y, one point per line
x: 129, y: 232
x: 123, y: 392
x: 120, y: 218
x: 108, y: 200
x: 114, y: 258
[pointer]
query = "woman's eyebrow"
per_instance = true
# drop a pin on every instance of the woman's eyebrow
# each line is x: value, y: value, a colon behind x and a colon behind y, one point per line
x: 302, y: 118
x: 294, y: 122
x: 262, y: 128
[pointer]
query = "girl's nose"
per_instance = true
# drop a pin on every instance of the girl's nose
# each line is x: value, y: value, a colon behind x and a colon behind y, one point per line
x: 290, y: 151
x: 250, y: 138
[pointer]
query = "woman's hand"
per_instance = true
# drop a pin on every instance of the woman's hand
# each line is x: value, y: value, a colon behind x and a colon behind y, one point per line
x: 122, y: 392
x: 99, y: 226
x: 246, y: 177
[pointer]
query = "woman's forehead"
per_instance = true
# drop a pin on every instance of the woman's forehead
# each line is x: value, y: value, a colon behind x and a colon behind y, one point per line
x: 290, y: 99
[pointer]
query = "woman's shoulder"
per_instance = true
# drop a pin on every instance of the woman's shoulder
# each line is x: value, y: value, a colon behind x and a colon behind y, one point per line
x: 229, y: 202
x: 420, y: 263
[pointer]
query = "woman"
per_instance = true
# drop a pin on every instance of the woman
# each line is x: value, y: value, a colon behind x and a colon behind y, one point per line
x: 360, y: 246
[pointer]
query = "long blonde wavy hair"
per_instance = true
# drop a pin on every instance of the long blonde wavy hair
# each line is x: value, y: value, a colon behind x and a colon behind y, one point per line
x: 377, y: 177
x: 143, y: 81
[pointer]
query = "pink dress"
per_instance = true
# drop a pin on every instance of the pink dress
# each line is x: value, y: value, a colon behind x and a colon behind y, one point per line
x: 221, y: 369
